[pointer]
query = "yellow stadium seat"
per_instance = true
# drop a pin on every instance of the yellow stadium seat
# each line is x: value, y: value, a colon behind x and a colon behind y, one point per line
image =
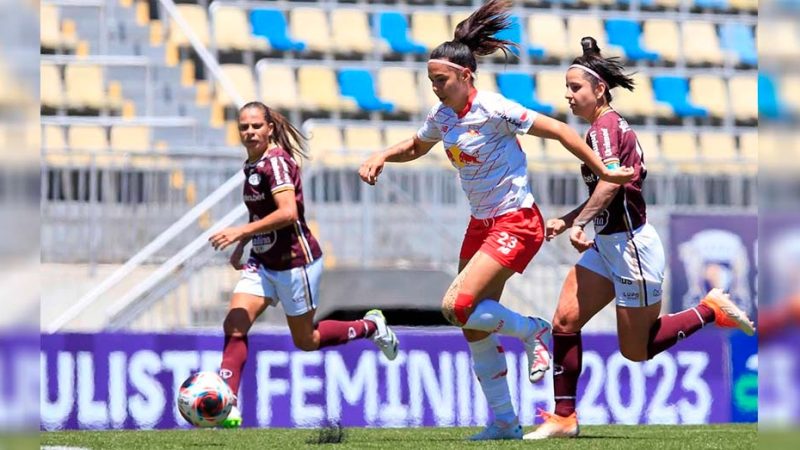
x: 360, y: 143
x: 661, y: 35
x: 351, y: 31
x: 197, y: 18
x: 397, y: 85
x: 325, y: 142
x: 641, y: 102
x: 778, y: 41
x: 680, y: 147
x: 485, y: 81
x: 718, y: 146
x: 456, y: 18
x: 668, y: 4
x: 319, y: 90
x: 427, y: 97
x: 581, y: 26
x: 85, y: 87
x: 744, y: 98
x: 558, y: 158
x: 430, y: 28
x: 700, y: 43
x: 744, y: 5
x: 51, y: 88
x: 51, y: 36
x: 310, y: 25
x: 549, y: 32
x: 232, y: 30
x: 710, y: 92
x: 532, y: 146
x: 87, y: 137
x: 277, y: 85
x: 748, y: 146
x: 394, y: 134
x: 241, y: 77
x: 790, y: 92
x: 131, y: 138
x: 53, y: 138
x: 550, y: 89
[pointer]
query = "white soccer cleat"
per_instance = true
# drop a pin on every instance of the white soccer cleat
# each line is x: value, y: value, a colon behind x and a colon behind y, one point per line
x: 384, y: 337
x: 537, y: 347
x: 499, y: 431
x: 555, y: 426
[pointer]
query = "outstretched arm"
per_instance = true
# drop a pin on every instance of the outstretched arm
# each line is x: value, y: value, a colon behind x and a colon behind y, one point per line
x: 407, y: 150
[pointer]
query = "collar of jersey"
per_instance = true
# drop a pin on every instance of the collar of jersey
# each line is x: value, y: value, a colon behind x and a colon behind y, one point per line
x: 472, y: 93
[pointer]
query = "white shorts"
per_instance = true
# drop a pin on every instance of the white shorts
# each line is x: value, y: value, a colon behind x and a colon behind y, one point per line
x: 635, y: 266
x: 296, y: 289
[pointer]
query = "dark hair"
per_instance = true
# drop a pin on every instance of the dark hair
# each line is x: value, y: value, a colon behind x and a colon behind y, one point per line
x: 475, y: 35
x: 284, y: 134
x: 608, y: 68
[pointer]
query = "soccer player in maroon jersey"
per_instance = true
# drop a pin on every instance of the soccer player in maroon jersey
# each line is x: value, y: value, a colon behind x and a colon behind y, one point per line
x: 285, y: 263
x: 479, y: 131
x: 625, y: 262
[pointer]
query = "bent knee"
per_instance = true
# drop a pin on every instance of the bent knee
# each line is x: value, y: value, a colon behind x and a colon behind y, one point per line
x: 305, y: 343
x: 565, y: 324
x: 456, y: 308
x: 634, y: 354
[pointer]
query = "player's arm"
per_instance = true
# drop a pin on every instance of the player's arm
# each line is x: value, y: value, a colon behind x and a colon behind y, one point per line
x: 549, y: 128
x: 599, y: 200
x: 407, y: 150
x: 284, y: 215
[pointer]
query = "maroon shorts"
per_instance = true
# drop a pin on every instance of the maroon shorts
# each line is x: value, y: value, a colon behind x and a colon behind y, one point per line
x: 511, y: 239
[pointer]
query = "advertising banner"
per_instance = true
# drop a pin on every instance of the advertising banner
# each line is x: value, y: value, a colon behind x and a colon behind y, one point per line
x: 113, y: 381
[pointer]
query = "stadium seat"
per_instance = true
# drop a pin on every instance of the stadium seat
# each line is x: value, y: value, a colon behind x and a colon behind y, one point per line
x: 131, y: 138
x: 485, y: 80
x: 700, y: 43
x: 549, y: 32
x: 319, y: 90
x: 550, y: 89
x: 712, y: 4
x: 661, y: 35
x: 197, y: 19
x: 737, y: 39
x: 430, y: 28
x: 397, y: 85
x: 668, y: 4
x: 51, y: 87
x: 277, y: 85
x: 718, y: 147
x: 711, y: 93
x: 674, y: 91
x: 231, y: 30
x: 790, y: 93
x: 394, y: 134
x: 521, y: 88
x: 85, y: 87
x: 744, y: 5
x: 680, y: 148
x: 310, y: 26
x: 87, y: 138
x: 358, y: 84
x: 271, y: 24
x: 361, y: 142
x: 393, y: 28
x: 580, y: 26
x: 241, y: 77
x: 325, y: 143
x: 627, y: 35
x: 770, y: 99
x: 558, y: 158
x: 514, y: 34
x: 642, y: 3
x: 532, y: 146
x: 53, y: 138
x: 748, y: 146
x: 641, y: 102
x: 744, y: 97
x: 649, y: 143
x: 51, y: 36
x: 427, y: 97
x: 351, y: 32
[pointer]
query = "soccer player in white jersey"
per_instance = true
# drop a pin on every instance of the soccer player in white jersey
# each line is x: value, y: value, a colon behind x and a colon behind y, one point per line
x: 479, y: 131
x: 625, y: 261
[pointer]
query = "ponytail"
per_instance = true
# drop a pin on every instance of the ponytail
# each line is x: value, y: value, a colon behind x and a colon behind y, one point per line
x: 608, y: 71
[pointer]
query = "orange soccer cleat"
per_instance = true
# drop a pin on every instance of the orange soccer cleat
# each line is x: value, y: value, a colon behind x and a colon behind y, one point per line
x: 555, y: 426
x: 726, y: 313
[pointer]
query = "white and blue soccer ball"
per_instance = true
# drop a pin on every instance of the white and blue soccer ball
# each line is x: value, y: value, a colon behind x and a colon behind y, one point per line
x: 205, y: 400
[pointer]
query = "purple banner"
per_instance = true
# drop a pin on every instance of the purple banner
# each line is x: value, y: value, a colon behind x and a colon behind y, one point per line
x: 778, y: 363
x: 106, y: 381
x: 708, y: 251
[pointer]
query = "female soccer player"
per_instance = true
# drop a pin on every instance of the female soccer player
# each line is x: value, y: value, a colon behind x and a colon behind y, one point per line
x: 285, y: 264
x: 625, y: 261
x: 506, y: 229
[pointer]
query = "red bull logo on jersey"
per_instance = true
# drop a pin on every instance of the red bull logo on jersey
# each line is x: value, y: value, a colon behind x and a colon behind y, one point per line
x: 461, y: 159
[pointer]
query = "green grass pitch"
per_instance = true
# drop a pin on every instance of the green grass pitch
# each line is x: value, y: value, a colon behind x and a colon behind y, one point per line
x: 592, y: 437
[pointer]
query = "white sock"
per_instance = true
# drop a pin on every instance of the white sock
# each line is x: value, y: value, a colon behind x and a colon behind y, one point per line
x: 492, y: 317
x: 489, y: 363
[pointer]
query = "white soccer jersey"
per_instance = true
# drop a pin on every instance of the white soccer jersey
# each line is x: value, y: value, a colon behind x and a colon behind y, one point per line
x: 483, y: 146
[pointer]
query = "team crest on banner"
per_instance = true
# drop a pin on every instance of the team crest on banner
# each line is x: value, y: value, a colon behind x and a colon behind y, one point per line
x: 713, y: 252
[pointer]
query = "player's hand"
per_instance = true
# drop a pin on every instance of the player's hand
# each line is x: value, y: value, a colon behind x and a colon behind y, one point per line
x: 579, y: 240
x: 619, y: 175
x: 236, y: 257
x: 371, y: 168
x: 553, y: 228
x: 222, y: 239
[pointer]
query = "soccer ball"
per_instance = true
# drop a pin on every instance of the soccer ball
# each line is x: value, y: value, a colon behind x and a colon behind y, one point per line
x: 205, y: 400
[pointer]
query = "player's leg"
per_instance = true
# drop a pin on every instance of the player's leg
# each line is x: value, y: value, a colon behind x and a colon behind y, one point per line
x: 584, y: 293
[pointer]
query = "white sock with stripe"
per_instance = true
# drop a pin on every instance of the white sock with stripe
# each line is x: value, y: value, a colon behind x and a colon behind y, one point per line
x: 492, y: 317
x: 489, y: 363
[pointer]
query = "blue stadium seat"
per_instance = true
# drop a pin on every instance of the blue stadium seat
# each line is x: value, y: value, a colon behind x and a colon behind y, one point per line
x: 521, y: 88
x: 645, y: 3
x: 711, y: 4
x: 769, y: 104
x: 514, y: 34
x: 394, y: 28
x: 271, y: 24
x: 674, y: 90
x: 627, y: 34
x: 738, y: 38
x: 358, y: 83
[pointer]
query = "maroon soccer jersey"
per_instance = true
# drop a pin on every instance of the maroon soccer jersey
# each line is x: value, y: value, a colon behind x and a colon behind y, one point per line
x: 614, y: 141
x: 293, y: 245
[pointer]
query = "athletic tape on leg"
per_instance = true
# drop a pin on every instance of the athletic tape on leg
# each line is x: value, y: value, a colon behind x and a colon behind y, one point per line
x: 462, y: 306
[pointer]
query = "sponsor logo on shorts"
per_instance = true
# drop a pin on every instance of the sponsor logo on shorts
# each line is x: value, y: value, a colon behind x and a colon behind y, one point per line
x: 657, y: 292
x: 623, y: 280
x: 630, y: 296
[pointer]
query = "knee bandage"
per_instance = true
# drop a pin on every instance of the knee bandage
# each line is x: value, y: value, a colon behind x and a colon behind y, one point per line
x: 462, y: 306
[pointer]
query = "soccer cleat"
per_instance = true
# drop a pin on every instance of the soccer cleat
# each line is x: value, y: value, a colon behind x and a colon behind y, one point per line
x: 537, y: 347
x: 499, y: 431
x: 383, y: 337
x: 234, y: 419
x: 555, y: 426
x: 726, y: 313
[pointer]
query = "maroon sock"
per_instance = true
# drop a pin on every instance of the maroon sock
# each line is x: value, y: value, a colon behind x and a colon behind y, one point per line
x: 567, y: 363
x: 668, y: 330
x: 234, y: 355
x: 335, y: 332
